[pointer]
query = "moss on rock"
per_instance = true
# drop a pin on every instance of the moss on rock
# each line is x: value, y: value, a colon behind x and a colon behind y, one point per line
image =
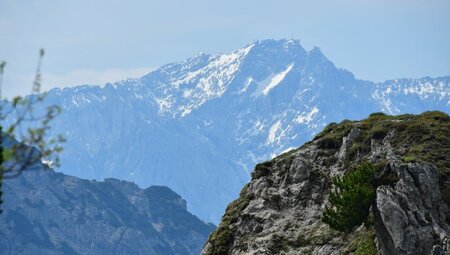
x: 363, y: 243
x: 424, y: 137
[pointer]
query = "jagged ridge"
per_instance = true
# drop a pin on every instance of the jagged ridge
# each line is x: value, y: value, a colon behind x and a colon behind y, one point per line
x: 52, y: 213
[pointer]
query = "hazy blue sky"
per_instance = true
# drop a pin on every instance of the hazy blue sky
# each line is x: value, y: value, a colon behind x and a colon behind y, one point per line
x: 90, y: 41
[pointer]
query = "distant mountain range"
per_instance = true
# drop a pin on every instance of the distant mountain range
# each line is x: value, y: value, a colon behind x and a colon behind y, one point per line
x: 200, y: 125
x: 52, y: 213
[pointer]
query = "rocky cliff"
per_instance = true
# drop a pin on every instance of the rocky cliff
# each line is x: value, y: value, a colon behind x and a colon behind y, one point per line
x: 280, y: 210
x: 51, y: 213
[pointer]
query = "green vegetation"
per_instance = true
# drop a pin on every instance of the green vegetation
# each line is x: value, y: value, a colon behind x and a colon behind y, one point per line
x: 262, y: 169
x: 352, y: 198
x: 1, y: 163
x: 367, y: 246
x: 222, y: 239
x: 331, y: 136
x: 29, y: 127
x: 414, y: 138
x: 424, y: 137
x: 364, y: 243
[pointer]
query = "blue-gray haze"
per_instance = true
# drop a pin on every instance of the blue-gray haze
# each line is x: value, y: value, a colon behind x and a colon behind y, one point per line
x: 199, y: 126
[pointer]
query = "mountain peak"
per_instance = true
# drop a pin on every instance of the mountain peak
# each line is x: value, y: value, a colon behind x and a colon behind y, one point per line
x: 316, y: 51
x: 278, y: 44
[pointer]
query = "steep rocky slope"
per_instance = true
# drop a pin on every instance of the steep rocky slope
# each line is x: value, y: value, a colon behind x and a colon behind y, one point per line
x: 51, y: 213
x: 279, y: 211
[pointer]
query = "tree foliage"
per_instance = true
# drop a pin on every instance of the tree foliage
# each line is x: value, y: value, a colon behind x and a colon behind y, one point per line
x: 351, y: 199
x: 21, y: 120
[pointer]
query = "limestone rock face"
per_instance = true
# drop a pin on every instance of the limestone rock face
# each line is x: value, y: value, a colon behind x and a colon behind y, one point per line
x: 279, y: 211
x: 411, y: 215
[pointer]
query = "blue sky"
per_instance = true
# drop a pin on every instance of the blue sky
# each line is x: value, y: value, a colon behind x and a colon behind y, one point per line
x: 93, y: 42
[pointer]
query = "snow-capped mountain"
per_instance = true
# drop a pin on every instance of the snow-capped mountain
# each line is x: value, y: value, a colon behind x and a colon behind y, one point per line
x: 200, y: 125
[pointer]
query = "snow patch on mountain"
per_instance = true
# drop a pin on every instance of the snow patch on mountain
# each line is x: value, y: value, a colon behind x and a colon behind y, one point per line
x: 190, y: 85
x: 271, y: 82
x: 200, y: 125
x: 306, y: 117
x: 272, y: 137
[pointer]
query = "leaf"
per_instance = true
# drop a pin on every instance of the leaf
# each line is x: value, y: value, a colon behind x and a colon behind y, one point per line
x: 7, y: 154
x: 16, y: 101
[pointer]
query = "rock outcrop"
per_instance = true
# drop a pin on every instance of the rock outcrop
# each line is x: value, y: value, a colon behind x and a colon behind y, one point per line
x: 279, y: 211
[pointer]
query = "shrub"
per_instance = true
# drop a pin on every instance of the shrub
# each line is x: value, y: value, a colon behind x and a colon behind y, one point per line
x: 262, y: 169
x: 379, y: 133
x: 351, y: 199
x: 329, y: 142
x: 377, y: 114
